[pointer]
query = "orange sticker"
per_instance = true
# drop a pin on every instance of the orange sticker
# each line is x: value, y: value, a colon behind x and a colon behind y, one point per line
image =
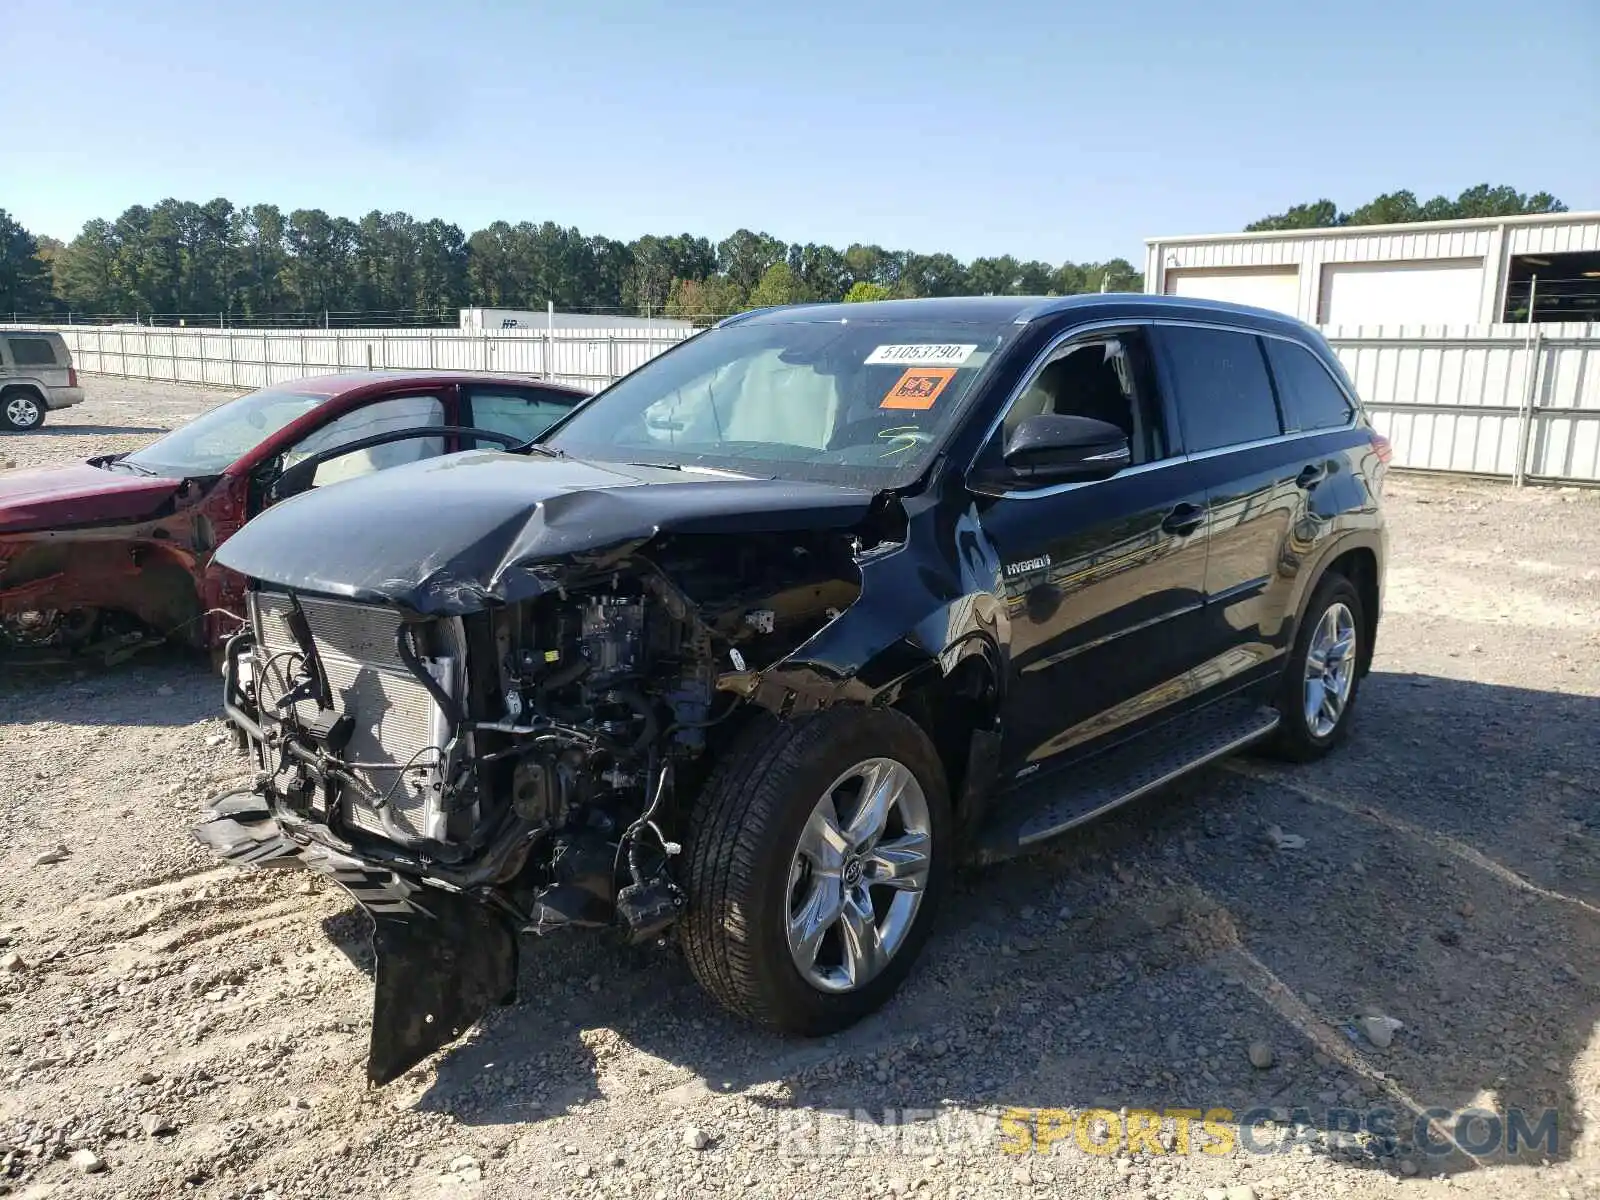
x: 919, y: 387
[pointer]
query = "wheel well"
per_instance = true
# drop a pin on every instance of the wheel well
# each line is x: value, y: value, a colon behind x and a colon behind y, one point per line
x: 1360, y: 567
x: 12, y: 388
x: 950, y: 709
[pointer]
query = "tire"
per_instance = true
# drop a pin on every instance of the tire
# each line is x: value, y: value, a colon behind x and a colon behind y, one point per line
x: 1302, y: 736
x: 749, y: 869
x: 21, y: 411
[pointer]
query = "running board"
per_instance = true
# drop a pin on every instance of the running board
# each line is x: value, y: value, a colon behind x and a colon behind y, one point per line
x: 1064, y: 800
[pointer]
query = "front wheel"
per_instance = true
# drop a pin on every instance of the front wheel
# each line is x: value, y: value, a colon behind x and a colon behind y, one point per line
x: 21, y: 411
x: 1318, y: 695
x: 818, y: 853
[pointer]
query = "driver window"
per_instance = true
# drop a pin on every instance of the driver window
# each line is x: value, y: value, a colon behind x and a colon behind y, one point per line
x: 382, y: 416
x: 1106, y: 378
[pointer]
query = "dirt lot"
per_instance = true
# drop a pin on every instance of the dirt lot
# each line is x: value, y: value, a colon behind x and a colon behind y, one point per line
x: 168, y: 1027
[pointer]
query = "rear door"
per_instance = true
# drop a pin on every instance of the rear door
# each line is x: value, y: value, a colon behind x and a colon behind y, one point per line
x: 1102, y: 581
x: 1256, y: 480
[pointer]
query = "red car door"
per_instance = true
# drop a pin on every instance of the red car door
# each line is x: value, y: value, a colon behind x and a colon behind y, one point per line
x: 244, y: 490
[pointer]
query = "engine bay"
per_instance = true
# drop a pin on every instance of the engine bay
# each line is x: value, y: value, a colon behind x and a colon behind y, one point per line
x: 539, y: 754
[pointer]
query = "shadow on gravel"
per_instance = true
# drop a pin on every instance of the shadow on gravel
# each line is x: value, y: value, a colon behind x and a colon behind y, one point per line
x: 163, y: 685
x: 1449, y: 879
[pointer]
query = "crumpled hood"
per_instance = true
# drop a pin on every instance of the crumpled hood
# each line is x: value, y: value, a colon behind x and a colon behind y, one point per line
x: 453, y: 535
x: 60, y: 497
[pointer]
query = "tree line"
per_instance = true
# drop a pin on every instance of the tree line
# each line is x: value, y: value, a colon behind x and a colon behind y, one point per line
x: 1403, y: 207
x: 213, y: 261
x: 256, y: 264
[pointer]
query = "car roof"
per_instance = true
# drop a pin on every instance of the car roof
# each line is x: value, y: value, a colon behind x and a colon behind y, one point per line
x: 1021, y: 310
x: 343, y: 383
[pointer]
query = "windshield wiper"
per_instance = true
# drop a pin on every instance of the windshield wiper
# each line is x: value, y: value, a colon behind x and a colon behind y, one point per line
x: 537, y: 448
x: 136, y: 468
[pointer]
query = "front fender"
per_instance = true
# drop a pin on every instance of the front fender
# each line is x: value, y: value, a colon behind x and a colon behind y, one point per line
x: 908, y: 628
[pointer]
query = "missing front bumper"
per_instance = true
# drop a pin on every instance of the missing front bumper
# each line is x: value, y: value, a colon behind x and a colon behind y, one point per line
x: 441, y: 958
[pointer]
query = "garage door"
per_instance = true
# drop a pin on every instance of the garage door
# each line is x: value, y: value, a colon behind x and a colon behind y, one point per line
x: 1278, y: 290
x: 1438, y: 292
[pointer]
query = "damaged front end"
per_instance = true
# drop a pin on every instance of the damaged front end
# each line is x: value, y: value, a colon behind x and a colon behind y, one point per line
x: 526, y: 767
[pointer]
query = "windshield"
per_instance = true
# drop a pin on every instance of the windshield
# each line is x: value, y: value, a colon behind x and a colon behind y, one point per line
x: 862, y: 402
x: 211, y: 443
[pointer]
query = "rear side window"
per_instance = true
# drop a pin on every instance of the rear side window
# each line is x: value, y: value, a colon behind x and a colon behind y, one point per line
x: 523, y: 415
x: 1223, y: 390
x: 32, y: 352
x: 1310, y: 398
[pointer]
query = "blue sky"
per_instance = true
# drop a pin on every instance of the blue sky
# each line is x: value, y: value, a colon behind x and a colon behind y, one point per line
x: 1046, y: 130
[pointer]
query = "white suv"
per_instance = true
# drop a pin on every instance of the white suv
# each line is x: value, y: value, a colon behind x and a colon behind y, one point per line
x: 36, y: 375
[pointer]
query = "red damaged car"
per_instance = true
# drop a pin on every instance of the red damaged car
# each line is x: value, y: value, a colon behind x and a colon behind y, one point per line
x: 110, y: 554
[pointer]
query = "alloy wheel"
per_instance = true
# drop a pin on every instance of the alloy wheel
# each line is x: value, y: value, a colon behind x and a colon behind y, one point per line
x: 22, y: 412
x: 858, y: 875
x: 1330, y: 669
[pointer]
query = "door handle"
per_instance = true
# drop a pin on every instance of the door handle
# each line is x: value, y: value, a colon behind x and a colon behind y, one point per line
x: 1184, y: 519
x: 1311, y: 474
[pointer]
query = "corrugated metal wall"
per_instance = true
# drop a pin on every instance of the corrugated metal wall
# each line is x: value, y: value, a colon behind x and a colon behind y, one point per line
x: 1491, y: 242
x: 1456, y: 398
x: 1311, y: 253
x: 1476, y: 398
x: 253, y: 358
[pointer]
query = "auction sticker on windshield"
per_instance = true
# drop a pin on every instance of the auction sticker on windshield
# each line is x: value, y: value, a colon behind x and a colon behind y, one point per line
x: 918, y: 388
x: 927, y: 354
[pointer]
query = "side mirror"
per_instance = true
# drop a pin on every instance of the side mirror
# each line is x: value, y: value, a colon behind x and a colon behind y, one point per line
x: 1051, y: 446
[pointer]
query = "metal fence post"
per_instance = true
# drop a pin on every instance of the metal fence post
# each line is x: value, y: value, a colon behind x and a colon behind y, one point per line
x: 611, y: 358
x: 1535, y: 353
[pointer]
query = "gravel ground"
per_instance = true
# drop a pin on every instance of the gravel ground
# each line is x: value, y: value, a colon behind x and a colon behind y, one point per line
x: 169, y: 1027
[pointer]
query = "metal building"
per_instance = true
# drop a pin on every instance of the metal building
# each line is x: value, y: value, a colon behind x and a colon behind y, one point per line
x: 1471, y: 272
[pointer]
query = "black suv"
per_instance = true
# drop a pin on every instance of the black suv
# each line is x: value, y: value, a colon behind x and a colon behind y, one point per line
x: 756, y: 645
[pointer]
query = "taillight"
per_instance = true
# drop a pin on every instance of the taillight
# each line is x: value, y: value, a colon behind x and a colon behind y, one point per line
x: 72, y: 376
x: 1381, y: 446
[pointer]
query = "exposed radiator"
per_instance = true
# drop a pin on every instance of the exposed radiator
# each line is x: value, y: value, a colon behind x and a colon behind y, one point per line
x: 396, y: 720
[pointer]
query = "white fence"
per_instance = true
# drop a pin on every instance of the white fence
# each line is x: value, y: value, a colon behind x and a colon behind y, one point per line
x: 1505, y: 400
x: 253, y: 358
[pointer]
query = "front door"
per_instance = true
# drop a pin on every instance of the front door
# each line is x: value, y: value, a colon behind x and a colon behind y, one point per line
x: 236, y: 500
x: 1102, y: 581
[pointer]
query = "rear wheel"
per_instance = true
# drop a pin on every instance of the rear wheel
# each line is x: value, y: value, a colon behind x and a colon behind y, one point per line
x: 21, y: 411
x: 1317, y: 697
x: 818, y: 852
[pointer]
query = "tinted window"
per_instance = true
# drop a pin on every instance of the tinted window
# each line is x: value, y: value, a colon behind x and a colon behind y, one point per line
x: 1224, y: 393
x: 523, y: 415
x: 32, y: 352
x: 1310, y: 398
